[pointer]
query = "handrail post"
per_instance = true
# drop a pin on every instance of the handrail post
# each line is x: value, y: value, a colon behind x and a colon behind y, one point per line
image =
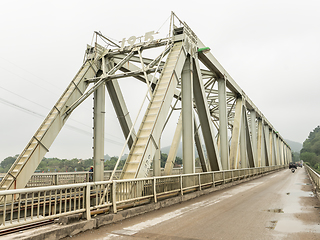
x: 199, y: 177
x: 155, y: 190
x: 88, y: 214
x: 181, y: 185
x: 213, y: 183
x: 87, y: 177
x: 56, y: 179
x: 114, y: 196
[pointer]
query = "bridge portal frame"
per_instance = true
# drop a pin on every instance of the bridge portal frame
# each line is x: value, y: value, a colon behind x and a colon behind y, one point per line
x: 216, y: 108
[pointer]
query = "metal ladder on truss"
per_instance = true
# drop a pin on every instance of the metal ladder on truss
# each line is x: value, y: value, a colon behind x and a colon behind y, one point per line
x: 137, y: 163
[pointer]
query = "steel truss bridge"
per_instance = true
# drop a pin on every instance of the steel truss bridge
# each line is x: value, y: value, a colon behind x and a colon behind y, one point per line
x: 230, y: 133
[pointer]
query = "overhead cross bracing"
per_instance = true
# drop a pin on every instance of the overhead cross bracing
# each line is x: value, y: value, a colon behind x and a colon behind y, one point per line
x: 217, y: 117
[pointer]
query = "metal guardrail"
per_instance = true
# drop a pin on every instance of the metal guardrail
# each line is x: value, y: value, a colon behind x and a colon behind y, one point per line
x: 30, y: 205
x: 314, y: 175
x: 49, y: 179
x: 62, y: 178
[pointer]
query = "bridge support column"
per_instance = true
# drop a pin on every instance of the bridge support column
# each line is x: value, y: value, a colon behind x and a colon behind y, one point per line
x: 243, y: 152
x: 276, y: 155
x: 236, y: 132
x: 284, y: 153
x: 288, y: 154
x: 187, y: 118
x: 268, y: 157
x: 157, y: 162
x: 259, y: 144
x: 254, y: 135
x: 280, y: 151
x: 251, y: 159
x: 98, y: 133
x: 223, y: 125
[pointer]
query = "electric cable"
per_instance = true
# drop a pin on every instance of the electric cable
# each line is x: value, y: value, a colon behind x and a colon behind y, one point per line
x: 14, y: 105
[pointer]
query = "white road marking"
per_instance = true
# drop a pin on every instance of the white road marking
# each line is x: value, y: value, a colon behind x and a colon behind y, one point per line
x: 178, y: 213
x: 112, y: 236
x: 272, y: 176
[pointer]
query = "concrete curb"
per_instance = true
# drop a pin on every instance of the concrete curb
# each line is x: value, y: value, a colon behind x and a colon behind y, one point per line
x: 58, y: 231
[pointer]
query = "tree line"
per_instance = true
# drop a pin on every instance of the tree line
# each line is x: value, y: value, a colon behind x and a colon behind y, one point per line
x: 75, y: 164
x: 310, y: 153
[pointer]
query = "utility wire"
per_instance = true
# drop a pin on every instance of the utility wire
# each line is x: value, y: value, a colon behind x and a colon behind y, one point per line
x: 11, y: 104
x: 29, y: 73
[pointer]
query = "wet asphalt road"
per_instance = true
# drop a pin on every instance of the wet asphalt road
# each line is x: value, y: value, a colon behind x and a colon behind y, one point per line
x: 276, y: 206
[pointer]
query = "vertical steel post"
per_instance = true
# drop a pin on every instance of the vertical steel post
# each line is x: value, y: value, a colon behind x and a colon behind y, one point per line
x: 254, y: 135
x: 251, y: 160
x: 187, y: 118
x: 223, y: 124
x: 236, y: 132
x: 157, y: 162
x: 259, y: 143
x: 98, y: 133
x: 243, y: 149
x: 282, y: 153
x: 274, y: 153
x: 280, y: 150
x: 286, y: 157
x: 267, y: 146
x: 98, y: 127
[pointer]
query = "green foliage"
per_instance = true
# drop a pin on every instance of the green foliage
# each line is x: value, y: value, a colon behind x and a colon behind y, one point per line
x: 6, y: 164
x: 311, y: 149
x: 110, y: 164
x: 164, y: 157
x: 65, y: 165
x: 178, y: 160
x: 295, y: 157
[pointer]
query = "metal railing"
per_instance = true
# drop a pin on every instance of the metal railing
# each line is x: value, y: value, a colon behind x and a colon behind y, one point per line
x: 62, y: 178
x: 314, y: 175
x: 30, y: 205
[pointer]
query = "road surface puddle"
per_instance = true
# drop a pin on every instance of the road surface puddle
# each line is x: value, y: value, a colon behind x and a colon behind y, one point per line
x: 301, y: 194
x: 295, y: 226
x: 277, y: 210
x: 272, y: 225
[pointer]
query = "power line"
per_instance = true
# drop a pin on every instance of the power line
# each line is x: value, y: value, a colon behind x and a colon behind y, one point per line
x: 29, y: 72
x: 36, y: 114
x: 11, y: 104
x: 23, y: 97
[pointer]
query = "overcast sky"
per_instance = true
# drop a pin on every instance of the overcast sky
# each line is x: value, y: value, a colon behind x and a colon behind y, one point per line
x: 270, y: 48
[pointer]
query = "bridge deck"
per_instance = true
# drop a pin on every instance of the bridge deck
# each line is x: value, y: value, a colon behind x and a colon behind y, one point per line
x: 277, y: 206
